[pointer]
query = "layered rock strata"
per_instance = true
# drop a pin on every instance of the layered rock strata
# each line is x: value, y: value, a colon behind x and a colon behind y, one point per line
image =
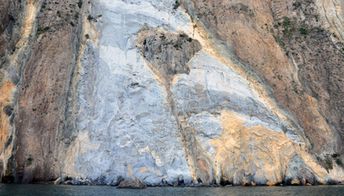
x: 172, y: 92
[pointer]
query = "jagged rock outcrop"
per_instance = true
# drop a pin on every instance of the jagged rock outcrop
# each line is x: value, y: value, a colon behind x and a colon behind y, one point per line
x: 172, y: 92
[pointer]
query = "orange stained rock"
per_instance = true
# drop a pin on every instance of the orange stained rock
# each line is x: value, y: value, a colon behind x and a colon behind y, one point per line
x: 6, y: 93
x: 143, y: 170
x: 261, y: 152
x: 257, y: 150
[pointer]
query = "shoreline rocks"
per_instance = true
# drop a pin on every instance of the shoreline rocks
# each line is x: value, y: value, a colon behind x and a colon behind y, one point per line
x: 132, y: 184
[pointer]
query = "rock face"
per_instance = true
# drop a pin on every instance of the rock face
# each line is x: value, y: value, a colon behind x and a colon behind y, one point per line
x: 171, y: 92
x: 133, y: 184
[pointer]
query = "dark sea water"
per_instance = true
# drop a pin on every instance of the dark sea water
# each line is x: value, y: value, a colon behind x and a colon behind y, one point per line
x: 52, y: 190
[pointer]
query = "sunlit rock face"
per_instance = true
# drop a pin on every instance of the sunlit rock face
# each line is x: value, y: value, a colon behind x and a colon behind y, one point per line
x: 172, y: 92
x: 126, y: 126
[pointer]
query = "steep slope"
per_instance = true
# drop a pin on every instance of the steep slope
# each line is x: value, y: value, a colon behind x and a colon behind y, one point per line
x: 290, y: 60
x: 172, y: 92
x: 41, y: 65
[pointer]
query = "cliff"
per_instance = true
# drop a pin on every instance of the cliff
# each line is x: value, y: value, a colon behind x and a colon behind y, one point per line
x: 172, y: 92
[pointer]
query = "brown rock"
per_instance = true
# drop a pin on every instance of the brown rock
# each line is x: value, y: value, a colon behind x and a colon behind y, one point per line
x: 132, y: 184
x: 283, y: 46
x: 42, y: 95
x: 301, y: 81
x: 168, y: 52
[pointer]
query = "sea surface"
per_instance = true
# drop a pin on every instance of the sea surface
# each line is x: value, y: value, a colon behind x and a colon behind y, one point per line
x: 52, y: 190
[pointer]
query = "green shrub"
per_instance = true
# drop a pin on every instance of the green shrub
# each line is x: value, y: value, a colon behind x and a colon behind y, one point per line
x: 286, y: 22
x: 41, y: 30
x: 339, y: 162
x: 303, y: 31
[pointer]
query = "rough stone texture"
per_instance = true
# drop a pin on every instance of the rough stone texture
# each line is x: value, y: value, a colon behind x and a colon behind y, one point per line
x: 9, y: 15
x: 133, y: 184
x: 308, y: 43
x: 168, y: 52
x: 10, y: 22
x: 168, y: 92
x: 125, y: 124
x: 49, y: 30
x: 6, y: 94
x: 244, y: 27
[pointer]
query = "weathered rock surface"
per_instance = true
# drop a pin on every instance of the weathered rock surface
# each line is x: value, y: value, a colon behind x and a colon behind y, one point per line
x: 172, y: 92
x: 168, y: 52
x: 132, y: 184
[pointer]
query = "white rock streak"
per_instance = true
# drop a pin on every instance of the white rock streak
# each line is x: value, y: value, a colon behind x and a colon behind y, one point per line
x: 126, y: 124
